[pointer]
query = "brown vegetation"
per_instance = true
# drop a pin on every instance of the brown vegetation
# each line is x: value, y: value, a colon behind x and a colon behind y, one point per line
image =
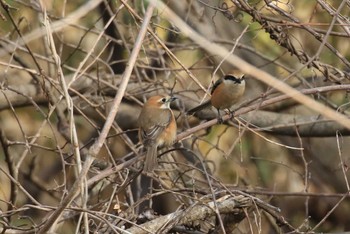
x: 74, y: 76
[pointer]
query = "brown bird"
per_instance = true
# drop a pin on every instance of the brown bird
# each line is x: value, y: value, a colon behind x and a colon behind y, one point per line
x: 225, y: 93
x: 157, y: 128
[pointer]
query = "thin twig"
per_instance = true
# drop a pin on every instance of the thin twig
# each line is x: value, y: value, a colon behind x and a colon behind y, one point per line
x: 95, y: 148
x: 250, y: 69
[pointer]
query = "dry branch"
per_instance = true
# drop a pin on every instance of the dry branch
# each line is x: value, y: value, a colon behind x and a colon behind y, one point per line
x: 197, y: 212
x: 37, y: 116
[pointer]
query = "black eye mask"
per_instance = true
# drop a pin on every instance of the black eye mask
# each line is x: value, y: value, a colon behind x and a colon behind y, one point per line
x: 234, y: 79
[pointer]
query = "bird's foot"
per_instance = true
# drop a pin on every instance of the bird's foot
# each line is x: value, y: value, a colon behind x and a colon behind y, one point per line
x: 220, y: 120
x: 231, y: 113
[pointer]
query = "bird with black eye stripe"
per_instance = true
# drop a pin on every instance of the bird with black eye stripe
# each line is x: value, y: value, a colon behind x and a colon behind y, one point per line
x: 225, y: 93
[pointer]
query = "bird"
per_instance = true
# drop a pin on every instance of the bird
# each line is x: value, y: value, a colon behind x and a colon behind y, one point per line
x: 225, y: 93
x: 157, y: 128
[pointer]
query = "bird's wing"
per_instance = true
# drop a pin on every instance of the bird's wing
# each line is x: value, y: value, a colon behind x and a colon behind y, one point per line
x: 199, y: 107
x: 150, y: 134
x: 216, y: 84
x: 206, y: 103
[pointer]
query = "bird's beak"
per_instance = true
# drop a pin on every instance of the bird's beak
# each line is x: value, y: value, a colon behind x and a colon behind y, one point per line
x: 172, y: 98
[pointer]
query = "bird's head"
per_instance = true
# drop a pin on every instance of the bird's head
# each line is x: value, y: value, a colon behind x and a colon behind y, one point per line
x: 161, y: 102
x: 235, y: 76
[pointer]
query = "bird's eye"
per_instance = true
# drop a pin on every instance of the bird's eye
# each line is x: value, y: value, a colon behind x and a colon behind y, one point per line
x: 163, y: 100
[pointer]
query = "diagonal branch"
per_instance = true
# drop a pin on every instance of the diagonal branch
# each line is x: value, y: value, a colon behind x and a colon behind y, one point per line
x: 95, y: 148
x: 249, y: 69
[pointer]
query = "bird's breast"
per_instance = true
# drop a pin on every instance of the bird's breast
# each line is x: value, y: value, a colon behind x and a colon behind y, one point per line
x: 227, y: 94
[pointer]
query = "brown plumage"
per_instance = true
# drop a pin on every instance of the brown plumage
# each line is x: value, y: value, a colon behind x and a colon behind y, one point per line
x: 225, y: 93
x: 157, y: 128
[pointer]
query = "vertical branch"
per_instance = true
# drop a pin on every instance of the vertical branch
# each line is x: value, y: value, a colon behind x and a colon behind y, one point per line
x: 342, y: 164
x: 96, y: 147
x: 70, y: 107
x: 306, y: 173
x: 10, y: 165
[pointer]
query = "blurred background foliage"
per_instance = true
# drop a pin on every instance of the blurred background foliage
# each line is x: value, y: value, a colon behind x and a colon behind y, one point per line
x: 303, y: 173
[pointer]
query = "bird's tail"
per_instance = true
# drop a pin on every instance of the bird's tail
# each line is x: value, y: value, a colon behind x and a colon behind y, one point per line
x: 151, y: 159
x: 200, y: 107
